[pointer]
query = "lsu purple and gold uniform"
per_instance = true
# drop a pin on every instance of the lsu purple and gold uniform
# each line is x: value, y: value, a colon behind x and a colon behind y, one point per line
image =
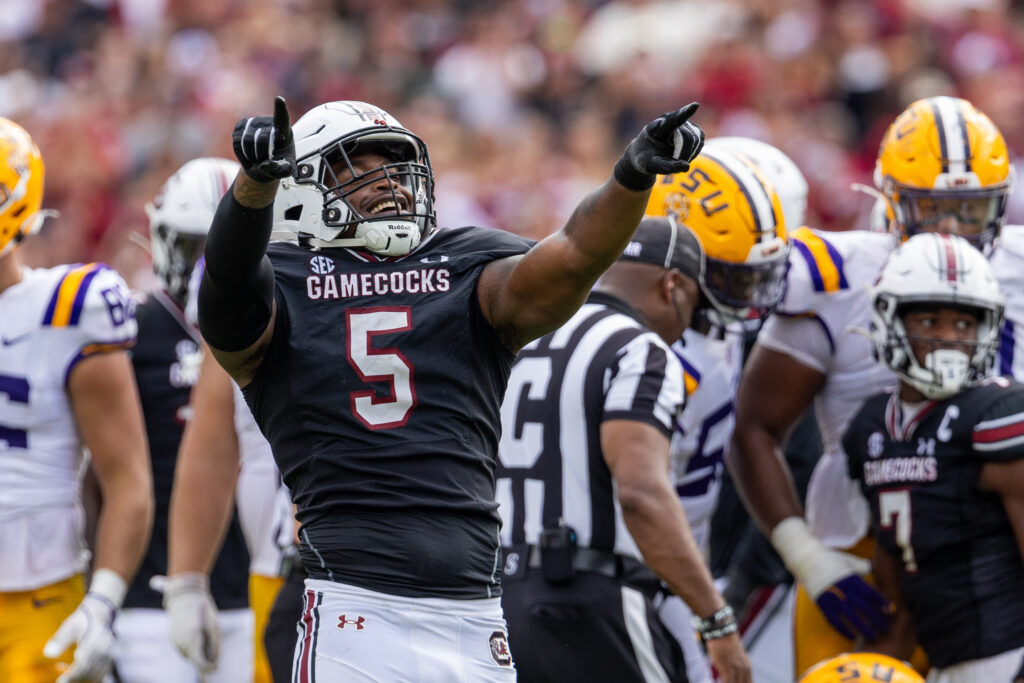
x: 711, y: 368
x: 49, y: 321
x: 962, y: 574
x: 827, y: 294
x: 390, y: 456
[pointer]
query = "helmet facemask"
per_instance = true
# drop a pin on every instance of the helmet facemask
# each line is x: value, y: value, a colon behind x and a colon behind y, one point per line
x: 974, y: 214
x: 405, y: 216
x: 179, y: 219
x: 950, y: 366
x: 736, y: 289
x: 325, y: 203
x: 174, y: 256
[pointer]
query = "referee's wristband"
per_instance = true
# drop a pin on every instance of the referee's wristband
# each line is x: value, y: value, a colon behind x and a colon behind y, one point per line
x: 720, y: 624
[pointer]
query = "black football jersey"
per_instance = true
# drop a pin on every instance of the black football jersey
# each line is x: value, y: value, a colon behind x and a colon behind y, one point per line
x: 380, y: 395
x: 963, y: 577
x: 165, y: 370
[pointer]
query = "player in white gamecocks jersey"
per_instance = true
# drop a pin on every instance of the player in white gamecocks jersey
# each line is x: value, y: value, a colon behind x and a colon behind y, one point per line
x: 942, y: 167
x: 743, y: 236
x: 66, y: 383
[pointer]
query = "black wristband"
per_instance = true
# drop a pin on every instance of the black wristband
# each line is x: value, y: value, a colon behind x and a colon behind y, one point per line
x: 631, y: 178
x: 720, y: 624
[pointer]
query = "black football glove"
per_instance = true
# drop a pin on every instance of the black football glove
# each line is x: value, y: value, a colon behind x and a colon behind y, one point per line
x: 666, y: 145
x: 264, y: 144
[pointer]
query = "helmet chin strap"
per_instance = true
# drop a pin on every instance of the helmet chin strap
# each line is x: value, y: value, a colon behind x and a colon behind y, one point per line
x: 945, y: 372
x: 384, y: 237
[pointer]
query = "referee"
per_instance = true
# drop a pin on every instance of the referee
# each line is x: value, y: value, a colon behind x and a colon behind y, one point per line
x: 583, y: 482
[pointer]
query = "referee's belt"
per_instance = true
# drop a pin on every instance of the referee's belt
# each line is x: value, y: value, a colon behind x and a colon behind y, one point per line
x: 603, y: 562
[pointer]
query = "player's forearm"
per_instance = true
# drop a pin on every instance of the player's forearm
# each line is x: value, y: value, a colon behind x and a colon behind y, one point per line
x: 657, y: 522
x: 762, y: 477
x: 599, y: 229
x: 123, y: 528
x: 200, y: 510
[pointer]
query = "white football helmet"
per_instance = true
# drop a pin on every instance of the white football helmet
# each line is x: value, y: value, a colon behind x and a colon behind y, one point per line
x: 782, y: 173
x: 313, y: 207
x: 180, y: 217
x: 932, y: 268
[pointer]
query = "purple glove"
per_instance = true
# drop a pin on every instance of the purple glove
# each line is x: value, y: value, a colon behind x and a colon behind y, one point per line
x: 853, y: 606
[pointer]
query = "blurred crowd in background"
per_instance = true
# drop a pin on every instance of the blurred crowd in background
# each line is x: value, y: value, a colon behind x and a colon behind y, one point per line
x: 525, y: 104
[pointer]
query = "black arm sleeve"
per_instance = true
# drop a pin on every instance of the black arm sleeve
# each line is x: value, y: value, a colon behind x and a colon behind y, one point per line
x: 236, y: 294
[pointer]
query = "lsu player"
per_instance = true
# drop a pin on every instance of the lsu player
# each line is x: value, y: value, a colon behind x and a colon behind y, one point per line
x: 862, y: 667
x: 738, y: 218
x: 67, y: 383
x: 166, y: 360
x: 942, y: 167
x: 223, y: 449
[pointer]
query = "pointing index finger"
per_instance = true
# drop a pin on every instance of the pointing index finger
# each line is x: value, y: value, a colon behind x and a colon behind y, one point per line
x: 680, y: 116
x: 281, y: 120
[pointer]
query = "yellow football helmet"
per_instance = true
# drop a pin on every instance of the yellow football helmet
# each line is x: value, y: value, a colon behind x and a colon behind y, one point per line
x: 943, y: 166
x: 21, y: 185
x: 736, y: 214
x: 863, y: 667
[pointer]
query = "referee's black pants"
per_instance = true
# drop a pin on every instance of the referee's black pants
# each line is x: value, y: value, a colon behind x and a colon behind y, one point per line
x: 592, y: 628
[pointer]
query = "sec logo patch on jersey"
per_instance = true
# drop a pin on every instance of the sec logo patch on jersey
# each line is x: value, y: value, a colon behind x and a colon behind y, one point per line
x: 876, y: 444
x: 321, y: 265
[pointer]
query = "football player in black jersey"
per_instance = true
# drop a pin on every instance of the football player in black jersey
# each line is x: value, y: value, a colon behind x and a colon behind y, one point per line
x: 374, y: 350
x: 166, y: 363
x: 941, y: 462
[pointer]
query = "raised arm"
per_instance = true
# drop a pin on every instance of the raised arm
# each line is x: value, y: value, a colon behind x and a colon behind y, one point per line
x: 525, y: 297
x: 638, y: 458
x: 236, y: 297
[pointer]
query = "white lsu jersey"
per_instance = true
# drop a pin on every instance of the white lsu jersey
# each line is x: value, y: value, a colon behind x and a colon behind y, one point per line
x: 827, y: 299
x: 49, y: 321
x: 1008, y: 264
x: 711, y: 365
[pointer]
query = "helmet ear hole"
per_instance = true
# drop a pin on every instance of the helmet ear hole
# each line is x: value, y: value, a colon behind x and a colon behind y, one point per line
x: 293, y: 213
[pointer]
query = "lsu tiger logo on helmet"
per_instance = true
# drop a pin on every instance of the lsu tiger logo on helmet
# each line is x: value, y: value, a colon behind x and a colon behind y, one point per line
x: 21, y: 185
x: 863, y: 667
x: 735, y: 212
x: 943, y: 166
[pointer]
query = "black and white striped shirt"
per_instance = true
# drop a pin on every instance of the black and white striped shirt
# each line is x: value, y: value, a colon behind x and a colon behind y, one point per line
x: 603, y: 364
